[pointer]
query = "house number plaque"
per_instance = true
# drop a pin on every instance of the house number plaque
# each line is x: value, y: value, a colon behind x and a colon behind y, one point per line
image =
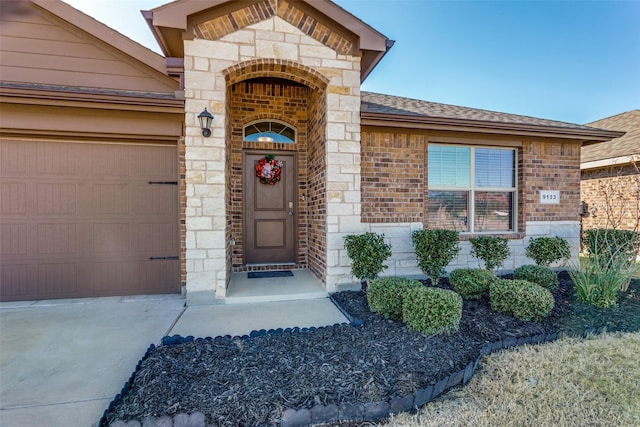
x: 549, y: 197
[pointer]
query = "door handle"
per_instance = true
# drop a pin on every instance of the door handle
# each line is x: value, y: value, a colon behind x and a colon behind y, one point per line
x: 290, y: 213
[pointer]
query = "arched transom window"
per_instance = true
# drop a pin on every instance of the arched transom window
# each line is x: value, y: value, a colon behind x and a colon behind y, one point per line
x: 269, y: 131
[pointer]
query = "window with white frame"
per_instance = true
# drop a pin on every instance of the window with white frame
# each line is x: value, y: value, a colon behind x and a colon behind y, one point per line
x: 269, y: 131
x: 472, y: 189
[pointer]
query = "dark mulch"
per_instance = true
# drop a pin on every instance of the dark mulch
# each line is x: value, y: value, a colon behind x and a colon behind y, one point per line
x: 247, y: 382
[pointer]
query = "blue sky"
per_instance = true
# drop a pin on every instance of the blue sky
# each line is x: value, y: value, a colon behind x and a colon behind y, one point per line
x: 574, y: 61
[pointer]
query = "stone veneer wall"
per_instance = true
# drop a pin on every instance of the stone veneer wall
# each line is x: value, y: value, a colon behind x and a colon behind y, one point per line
x: 612, y: 195
x: 269, y: 48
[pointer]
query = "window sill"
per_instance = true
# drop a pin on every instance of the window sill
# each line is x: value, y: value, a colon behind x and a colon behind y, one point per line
x: 511, y: 236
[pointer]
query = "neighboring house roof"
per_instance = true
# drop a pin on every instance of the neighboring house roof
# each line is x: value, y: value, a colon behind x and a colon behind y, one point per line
x: 617, y: 151
x: 395, y: 111
x: 173, y: 22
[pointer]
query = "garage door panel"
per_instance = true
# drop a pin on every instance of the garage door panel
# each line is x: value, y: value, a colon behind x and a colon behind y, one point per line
x: 110, y: 199
x: 154, y: 199
x: 58, y: 279
x: 57, y: 239
x: 112, y: 238
x: 152, y: 164
x: 13, y: 200
x: 90, y: 233
x: 13, y: 239
x: 56, y: 198
x: 55, y: 159
x: 13, y: 158
x: 155, y: 238
x: 158, y: 274
x: 15, y: 281
x: 110, y: 160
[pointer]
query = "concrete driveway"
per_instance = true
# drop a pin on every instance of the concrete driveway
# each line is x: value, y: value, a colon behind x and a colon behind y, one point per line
x: 62, y: 362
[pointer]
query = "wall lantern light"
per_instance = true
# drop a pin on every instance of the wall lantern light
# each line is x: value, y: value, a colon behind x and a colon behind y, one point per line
x: 205, y: 122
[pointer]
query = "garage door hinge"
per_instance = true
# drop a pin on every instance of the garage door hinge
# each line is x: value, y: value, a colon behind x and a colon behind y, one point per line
x: 163, y: 182
x: 162, y: 257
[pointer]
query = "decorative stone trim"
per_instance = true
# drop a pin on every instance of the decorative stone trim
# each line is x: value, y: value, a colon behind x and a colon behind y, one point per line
x: 233, y: 21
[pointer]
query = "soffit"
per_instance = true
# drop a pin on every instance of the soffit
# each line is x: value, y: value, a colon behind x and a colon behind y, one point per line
x: 322, y: 20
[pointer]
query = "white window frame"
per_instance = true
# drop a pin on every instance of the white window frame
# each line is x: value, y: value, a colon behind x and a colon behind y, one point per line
x: 471, y: 191
x: 270, y: 122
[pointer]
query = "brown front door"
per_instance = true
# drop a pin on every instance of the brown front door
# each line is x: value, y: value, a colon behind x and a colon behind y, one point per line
x: 270, y: 212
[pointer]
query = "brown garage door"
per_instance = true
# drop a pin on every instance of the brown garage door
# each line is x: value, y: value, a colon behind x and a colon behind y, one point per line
x: 79, y: 219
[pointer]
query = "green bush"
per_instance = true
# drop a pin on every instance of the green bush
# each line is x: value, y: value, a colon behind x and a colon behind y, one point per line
x: 432, y: 310
x: 492, y: 250
x: 435, y: 249
x: 385, y: 295
x: 598, y: 283
x: 368, y: 252
x: 471, y: 283
x: 537, y: 274
x: 546, y: 250
x: 521, y: 299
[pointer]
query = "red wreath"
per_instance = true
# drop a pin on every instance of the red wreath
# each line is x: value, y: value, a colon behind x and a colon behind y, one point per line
x: 268, y: 169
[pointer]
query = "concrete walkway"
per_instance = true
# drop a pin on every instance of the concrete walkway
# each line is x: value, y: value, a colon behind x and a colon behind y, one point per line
x: 62, y: 362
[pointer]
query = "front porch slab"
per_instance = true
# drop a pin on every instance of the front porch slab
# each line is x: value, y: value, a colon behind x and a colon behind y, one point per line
x: 302, y: 285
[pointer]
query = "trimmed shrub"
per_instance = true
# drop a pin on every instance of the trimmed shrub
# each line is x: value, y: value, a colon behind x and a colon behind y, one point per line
x: 435, y: 249
x: 546, y: 250
x: 537, y: 274
x: 471, y: 283
x: 432, y: 310
x: 492, y: 250
x: 521, y: 299
x: 385, y: 295
x: 368, y: 252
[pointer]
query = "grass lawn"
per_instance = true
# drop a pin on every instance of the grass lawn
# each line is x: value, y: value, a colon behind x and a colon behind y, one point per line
x: 571, y: 382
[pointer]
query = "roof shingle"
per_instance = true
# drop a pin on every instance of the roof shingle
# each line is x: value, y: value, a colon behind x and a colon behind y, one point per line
x: 396, y: 105
x: 626, y: 145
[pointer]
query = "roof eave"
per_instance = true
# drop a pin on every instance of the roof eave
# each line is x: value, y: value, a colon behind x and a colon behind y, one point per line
x: 169, y: 21
x: 614, y: 161
x: 587, y: 136
x: 369, y: 64
x: 115, y: 99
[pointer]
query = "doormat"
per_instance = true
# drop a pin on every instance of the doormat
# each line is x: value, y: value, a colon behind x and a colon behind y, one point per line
x: 268, y: 274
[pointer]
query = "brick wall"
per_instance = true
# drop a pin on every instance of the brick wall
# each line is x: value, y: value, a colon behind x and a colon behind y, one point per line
x: 249, y: 102
x: 393, y: 177
x: 393, y: 160
x: 612, y: 197
x: 183, y: 209
x: 549, y: 165
x: 316, y: 190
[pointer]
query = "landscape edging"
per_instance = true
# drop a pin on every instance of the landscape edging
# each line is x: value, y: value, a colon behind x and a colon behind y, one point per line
x: 370, y: 411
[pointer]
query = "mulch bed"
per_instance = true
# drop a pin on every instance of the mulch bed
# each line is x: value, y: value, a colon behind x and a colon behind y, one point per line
x: 251, y: 381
